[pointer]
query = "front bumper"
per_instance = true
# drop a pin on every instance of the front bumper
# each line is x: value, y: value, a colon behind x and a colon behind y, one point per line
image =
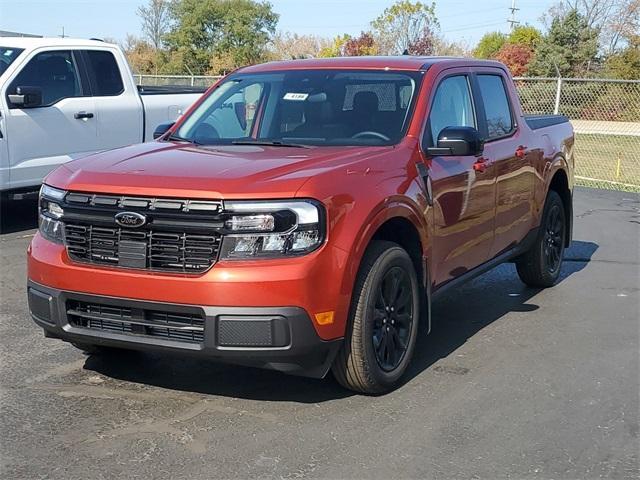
x: 278, y: 338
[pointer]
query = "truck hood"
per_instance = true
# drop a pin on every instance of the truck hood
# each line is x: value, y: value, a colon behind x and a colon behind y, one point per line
x: 175, y: 169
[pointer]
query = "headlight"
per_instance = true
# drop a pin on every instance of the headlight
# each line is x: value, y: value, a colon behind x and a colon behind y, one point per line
x: 50, y: 212
x: 272, y: 229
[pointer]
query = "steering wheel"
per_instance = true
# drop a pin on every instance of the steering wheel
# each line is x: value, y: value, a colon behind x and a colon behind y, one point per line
x: 371, y: 133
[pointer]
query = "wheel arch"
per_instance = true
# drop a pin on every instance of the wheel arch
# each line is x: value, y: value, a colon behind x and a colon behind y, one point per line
x: 399, y: 223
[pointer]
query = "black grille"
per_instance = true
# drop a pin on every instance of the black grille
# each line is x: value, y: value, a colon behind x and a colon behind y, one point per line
x: 183, y: 327
x: 178, y: 236
x: 176, y: 251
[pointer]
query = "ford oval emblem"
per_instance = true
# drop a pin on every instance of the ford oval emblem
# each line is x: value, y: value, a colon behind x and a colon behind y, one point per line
x: 130, y: 219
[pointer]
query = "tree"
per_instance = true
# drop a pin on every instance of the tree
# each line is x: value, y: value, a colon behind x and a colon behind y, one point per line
x: 489, y: 45
x: 336, y: 48
x: 615, y: 20
x: 360, y: 46
x: 525, y: 35
x: 625, y: 64
x: 570, y: 47
x: 424, y: 44
x: 141, y: 55
x: 288, y: 46
x: 213, y: 36
x: 156, y: 20
x: 442, y: 46
x: 516, y: 57
x: 402, y: 25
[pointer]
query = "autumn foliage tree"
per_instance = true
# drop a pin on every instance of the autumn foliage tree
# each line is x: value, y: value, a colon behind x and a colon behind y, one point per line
x: 423, y: 44
x: 359, y: 46
x: 515, y: 56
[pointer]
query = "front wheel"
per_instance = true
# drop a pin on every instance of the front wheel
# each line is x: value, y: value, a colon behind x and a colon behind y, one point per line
x: 540, y: 266
x: 383, y: 323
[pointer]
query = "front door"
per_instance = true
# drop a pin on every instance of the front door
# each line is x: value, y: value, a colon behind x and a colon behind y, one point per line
x: 61, y: 129
x: 463, y: 186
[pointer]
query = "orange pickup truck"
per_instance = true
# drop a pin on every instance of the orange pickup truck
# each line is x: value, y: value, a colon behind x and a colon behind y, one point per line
x: 303, y: 216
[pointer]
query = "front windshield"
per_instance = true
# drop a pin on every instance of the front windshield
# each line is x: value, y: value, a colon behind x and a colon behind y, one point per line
x: 7, y: 56
x: 305, y: 107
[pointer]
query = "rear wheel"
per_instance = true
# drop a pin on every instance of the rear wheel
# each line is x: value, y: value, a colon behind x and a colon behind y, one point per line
x: 383, y: 323
x: 540, y: 266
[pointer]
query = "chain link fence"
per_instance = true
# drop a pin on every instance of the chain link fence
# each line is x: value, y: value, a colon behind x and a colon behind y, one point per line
x: 605, y: 115
x: 606, y: 118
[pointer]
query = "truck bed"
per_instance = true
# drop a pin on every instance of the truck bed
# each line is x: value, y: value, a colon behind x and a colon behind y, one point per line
x: 536, y: 122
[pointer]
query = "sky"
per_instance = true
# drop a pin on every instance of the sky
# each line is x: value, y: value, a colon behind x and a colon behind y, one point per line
x: 465, y: 20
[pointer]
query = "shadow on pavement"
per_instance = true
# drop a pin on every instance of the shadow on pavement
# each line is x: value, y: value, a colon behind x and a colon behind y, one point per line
x: 457, y: 316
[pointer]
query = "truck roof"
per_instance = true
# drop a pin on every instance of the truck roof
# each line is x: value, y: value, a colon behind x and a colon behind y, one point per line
x: 31, y: 43
x: 399, y: 62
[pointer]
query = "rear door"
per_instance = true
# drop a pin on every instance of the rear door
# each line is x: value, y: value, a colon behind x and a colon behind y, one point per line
x: 62, y: 129
x: 118, y: 106
x: 511, y: 158
x: 463, y: 187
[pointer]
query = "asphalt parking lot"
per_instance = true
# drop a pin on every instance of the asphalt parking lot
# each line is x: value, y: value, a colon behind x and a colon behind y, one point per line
x: 512, y: 383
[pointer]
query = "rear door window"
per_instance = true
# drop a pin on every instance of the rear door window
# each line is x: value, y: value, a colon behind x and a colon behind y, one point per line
x: 55, y: 72
x: 496, y: 105
x: 106, y: 79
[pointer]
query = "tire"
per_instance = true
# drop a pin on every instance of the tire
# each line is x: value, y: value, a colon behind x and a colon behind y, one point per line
x: 89, y: 349
x: 540, y: 266
x: 382, y: 329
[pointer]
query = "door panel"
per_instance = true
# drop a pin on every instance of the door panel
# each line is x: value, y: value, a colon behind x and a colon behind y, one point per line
x: 514, y: 192
x: 464, y: 196
x: 39, y: 139
x: 511, y: 160
x: 463, y: 215
x: 119, y: 110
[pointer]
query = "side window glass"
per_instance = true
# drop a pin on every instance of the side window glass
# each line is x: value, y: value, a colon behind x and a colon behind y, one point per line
x: 452, y: 106
x: 55, y: 72
x: 496, y: 105
x: 106, y: 74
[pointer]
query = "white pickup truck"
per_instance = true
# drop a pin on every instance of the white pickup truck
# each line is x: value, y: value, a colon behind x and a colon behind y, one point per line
x: 61, y: 99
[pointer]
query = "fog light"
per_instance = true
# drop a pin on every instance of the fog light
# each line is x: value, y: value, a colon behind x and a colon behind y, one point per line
x: 324, y: 318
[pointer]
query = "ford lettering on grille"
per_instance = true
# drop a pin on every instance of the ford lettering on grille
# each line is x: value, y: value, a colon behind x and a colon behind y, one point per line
x: 130, y: 219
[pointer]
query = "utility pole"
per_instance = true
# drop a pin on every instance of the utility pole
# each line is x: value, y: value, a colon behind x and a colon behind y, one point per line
x: 62, y: 36
x: 512, y: 21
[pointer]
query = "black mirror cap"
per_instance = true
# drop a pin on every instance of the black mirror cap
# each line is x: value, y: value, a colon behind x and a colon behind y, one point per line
x: 26, y: 97
x: 458, y: 141
x: 162, y: 129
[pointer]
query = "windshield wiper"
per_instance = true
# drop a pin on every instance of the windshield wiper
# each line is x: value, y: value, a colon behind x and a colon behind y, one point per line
x: 269, y: 143
x: 176, y: 138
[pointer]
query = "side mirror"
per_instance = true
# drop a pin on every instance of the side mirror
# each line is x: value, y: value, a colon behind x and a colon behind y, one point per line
x: 26, y: 97
x: 457, y: 141
x: 162, y: 129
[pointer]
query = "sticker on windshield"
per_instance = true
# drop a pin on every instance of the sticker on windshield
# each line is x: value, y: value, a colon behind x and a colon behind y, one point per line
x: 298, y: 97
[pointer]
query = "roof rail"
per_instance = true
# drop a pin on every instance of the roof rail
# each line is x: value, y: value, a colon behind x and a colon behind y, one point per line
x: 97, y: 39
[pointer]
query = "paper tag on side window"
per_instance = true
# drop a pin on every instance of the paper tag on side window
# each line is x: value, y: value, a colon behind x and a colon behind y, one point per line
x: 298, y: 97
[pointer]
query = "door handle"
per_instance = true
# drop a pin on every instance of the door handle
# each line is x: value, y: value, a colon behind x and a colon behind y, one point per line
x: 480, y: 165
x: 521, y: 151
x: 82, y: 115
